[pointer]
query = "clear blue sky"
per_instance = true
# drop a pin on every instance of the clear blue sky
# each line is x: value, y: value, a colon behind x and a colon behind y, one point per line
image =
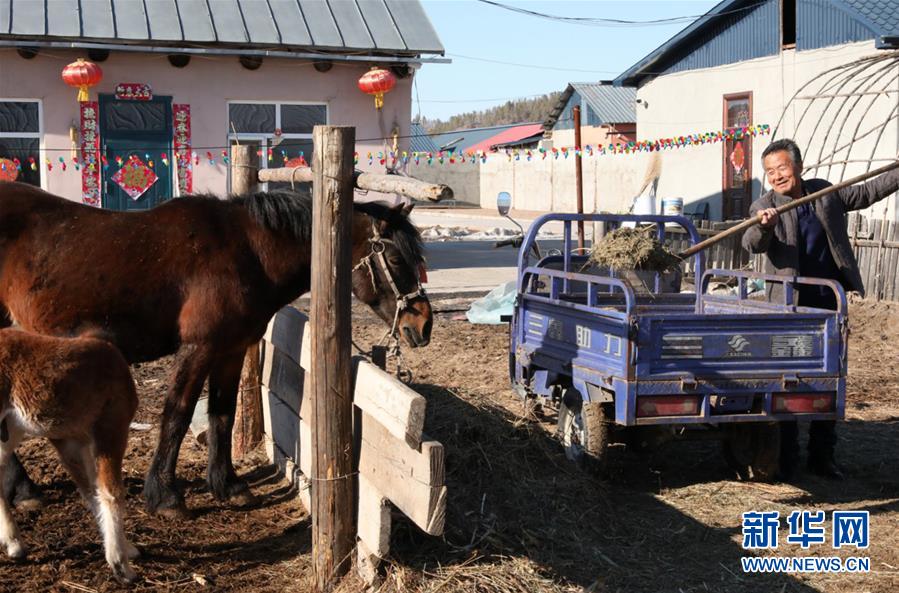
x: 556, y: 53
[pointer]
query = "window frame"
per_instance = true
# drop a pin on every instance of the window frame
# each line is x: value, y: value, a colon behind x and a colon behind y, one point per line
x: 264, y: 138
x: 42, y: 151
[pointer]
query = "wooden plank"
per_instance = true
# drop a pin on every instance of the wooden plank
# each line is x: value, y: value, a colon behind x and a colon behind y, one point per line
x: 412, y: 480
x: 284, y: 376
x: 374, y: 518
x: 282, y: 424
x: 289, y: 331
x: 291, y: 471
x: 397, y: 407
x: 389, y: 402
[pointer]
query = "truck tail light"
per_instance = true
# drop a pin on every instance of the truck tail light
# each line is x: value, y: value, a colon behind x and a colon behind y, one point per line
x: 803, y: 403
x: 667, y: 405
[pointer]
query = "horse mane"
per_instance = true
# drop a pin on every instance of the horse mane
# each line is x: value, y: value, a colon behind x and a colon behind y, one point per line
x: 291, y: 212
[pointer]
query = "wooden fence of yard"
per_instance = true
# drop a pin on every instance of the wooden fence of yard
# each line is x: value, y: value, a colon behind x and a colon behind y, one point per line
x: 396, y: 462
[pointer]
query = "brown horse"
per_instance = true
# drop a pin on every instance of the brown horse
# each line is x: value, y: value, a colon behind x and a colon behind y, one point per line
x: 198, y: 276
x: 78, y: 393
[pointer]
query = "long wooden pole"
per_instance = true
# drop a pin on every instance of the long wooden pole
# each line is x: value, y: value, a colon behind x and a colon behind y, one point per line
x: 784, y: 208
x: 579, y: 175
x: 393, y: 184
x: 248, y: 418
x: 333, y: 508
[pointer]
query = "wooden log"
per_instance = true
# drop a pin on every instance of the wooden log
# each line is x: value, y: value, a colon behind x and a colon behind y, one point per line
x: 388, y: 184
x: 248, y: 428
x: 333, y: 506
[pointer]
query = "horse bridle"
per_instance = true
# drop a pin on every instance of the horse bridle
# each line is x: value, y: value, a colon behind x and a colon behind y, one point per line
x: 378, y: 247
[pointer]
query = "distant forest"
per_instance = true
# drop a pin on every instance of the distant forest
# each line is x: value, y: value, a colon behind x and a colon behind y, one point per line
x: 511, y: 112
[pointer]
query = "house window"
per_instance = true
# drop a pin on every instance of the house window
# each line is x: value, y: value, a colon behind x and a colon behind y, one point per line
x: 20, y: 141
x: 276, y: 132
x: 737, y: 157
x: 788, y: 24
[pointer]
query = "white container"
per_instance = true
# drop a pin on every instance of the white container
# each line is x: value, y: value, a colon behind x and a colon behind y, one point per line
x: 644, y: 204
x: 672, y: 207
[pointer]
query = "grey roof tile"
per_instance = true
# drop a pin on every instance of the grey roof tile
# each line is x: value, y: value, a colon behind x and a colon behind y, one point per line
x: 130, y: 19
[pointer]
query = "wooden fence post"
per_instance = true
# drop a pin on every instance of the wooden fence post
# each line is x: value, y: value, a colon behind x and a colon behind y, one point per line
x: 248, y: 418
x: 333, y: 508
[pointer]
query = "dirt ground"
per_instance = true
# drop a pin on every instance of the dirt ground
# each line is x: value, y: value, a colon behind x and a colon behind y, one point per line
x: 520, y: 517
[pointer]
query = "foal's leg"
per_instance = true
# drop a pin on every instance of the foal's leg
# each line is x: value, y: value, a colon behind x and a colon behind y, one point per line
x: 111, y: 440
x: 9, y: 533
x: 223, y: 482
x: 160, y: 491
x: 76, y: 457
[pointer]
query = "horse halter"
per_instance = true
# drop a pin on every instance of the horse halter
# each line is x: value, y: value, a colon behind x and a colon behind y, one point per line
x: 378, y: 247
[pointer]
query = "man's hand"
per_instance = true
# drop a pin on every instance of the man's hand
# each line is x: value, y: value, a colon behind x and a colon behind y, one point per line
x: 768, y: 218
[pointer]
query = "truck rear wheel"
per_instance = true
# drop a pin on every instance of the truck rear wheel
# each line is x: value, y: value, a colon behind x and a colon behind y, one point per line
x: 752, y: 450
x: 585, y: 429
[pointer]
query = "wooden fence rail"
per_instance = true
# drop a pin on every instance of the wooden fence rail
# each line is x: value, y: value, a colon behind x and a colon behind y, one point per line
x: 397, y: 462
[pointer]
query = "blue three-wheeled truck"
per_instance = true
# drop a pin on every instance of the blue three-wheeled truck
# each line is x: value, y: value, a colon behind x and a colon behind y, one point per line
x: 617, y: 355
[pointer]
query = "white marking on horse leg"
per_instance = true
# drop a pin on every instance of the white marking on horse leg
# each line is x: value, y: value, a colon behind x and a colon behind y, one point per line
x: 9, y: 532
x: 116, y: 545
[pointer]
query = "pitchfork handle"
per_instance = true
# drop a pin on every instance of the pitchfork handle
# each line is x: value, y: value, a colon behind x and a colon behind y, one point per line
x: 781, y: 209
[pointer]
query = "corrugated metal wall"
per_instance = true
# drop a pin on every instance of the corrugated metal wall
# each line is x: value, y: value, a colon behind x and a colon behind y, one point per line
x: 821, y: 23
x: 754, y: 33
x: 566, y: 118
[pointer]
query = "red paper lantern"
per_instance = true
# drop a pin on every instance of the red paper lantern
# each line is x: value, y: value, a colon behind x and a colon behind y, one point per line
x: 83, y: 75
x: 377, y: 82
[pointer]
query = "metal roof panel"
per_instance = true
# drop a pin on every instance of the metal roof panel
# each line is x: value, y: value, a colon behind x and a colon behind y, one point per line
x: 352, y: 26
x: 260, y: 22
x: 96, y: 19
x: 63, y: 18
x: 395, y: 26
x: 611, y: 105
x: 291, y: 23
x: 228, y: 21
x: 28, y: 18
x: 420, y: 140
x: 164, y: 22
x: 130, y: 19
x: 195, y: 20
x: 380, y: 25
x: 414, y: 25
x: 321, y: 23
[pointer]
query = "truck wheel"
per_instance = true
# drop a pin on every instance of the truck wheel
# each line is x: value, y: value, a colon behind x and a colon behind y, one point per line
x: 585, y: 429
x: 752, y: 450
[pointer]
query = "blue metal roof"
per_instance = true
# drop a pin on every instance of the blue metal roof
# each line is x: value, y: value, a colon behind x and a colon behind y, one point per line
x: 460, y: 140
x: 384, y: 27
x: 420, y: 140
x: 601, y: 103
x: 737, y: 30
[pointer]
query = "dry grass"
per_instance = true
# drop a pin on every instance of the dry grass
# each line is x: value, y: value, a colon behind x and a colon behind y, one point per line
x: 634, y: 249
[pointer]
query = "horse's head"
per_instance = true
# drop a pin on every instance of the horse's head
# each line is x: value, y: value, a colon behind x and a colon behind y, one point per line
x: 387, y: 267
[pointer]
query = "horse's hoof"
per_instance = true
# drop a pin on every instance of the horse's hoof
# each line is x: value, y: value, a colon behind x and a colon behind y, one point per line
x: 124, y: 573
x: 178, y: 513
x: 29, y: 505
x: 244, y: 500
x: 16, y: 551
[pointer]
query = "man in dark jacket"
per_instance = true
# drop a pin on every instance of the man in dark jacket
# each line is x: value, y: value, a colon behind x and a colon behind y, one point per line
x: 811, y: 240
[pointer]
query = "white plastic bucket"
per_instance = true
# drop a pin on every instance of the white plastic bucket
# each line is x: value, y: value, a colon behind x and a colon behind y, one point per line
x: 644, y: 204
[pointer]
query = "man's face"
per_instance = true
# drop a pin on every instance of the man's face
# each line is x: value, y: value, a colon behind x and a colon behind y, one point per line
x: 784, y: 176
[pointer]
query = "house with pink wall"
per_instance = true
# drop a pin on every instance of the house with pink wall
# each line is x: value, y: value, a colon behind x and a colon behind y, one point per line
x: 183, y: 80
